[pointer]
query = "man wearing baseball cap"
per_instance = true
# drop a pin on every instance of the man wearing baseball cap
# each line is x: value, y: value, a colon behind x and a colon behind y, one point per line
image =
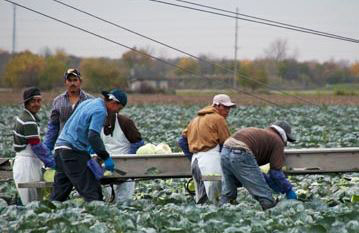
x: 121, y: 136
x: 201, y: 141
x: 80, y: 134
x: 64, y: 105
x: 245, y: 151
x: 31, y: 154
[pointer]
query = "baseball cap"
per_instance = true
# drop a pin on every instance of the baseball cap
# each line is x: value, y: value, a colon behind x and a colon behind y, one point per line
x: 287, y: 129
x: 223, y: 99
x: 117, y: 95
x: 72, y: 71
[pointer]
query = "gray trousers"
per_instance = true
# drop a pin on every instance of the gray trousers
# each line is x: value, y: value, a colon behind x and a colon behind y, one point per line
x: 240, y: 168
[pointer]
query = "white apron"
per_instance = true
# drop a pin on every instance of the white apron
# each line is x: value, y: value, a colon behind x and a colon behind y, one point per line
x: 27, y: 168
x: 209, y: 163
x: 119, y: 144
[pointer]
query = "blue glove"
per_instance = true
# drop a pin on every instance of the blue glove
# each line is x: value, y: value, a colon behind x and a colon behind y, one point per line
x: 134, y: 146
x: 44, y: 154
x: 109, y: 165
x: 291, y: 195
x: 51, y: 164
x: 96, y: 169
x: 280, y: 181
x: 271, y: 183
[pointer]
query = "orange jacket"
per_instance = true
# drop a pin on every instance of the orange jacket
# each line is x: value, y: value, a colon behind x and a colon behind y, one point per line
x: 206, y: 130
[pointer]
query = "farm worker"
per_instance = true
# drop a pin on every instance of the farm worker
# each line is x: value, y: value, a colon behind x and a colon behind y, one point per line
x: 245, y: 151
x: 64, y: 105
x: 204, y: 137
x: 31, y: 154
x: 121, y: 136
x: 80, y: 133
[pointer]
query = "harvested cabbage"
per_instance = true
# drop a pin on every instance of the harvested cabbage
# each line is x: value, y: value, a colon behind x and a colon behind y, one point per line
x: 163, y: 148
x: 49, y: 175
x: 191, y: 186
x: 107, y: 173
x: 148, y: 149
x: 265, y: 168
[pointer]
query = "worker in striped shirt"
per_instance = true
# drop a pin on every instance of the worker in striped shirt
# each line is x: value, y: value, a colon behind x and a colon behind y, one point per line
x: 31, y: 154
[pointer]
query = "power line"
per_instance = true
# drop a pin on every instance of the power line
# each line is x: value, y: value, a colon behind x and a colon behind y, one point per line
x: 97, y: 35
x: 145, y: 54
x: 159, y: 59
x: 266, y: 20
x: 112, y: 41
x: 179, y: 50
x: 259, y: 22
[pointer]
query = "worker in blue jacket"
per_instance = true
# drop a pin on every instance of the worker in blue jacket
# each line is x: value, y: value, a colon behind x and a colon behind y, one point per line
x: 81, y: 132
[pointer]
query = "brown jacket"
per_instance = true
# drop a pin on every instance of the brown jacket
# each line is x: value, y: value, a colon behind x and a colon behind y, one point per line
x: 266, y: 145
x: 206, y: 130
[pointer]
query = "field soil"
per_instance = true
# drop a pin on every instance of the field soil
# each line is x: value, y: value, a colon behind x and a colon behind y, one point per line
x: 15, y: 97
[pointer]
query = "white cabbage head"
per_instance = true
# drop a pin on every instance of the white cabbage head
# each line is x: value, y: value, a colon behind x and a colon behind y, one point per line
x: 148, y: 149
x: 163, y: 148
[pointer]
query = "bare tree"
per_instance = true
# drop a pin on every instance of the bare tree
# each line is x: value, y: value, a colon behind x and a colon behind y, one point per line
x: 278, y: 50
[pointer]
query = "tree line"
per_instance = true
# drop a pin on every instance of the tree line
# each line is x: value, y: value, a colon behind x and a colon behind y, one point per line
x: 25, y: 69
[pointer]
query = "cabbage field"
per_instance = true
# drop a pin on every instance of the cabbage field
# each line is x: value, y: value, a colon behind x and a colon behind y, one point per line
x: 164, y: 206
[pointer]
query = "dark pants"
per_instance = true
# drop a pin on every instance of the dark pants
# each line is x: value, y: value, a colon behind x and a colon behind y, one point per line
x: 72, y: 171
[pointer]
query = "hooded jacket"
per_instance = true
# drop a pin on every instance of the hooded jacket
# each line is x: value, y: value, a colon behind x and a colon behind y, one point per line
x: 206, y: 130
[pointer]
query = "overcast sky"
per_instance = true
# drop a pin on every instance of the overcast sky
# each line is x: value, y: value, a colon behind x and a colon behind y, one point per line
x: 194, y: 32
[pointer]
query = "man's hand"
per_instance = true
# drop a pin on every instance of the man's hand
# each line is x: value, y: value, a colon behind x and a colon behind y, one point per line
x: 51, y: 164
x: 109, y: 165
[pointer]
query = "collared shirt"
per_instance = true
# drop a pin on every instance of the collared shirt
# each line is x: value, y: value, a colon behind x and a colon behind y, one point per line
x: 62, y: 107
x: 60, y: 113
x: 26, y: 126
x: 89, y: 115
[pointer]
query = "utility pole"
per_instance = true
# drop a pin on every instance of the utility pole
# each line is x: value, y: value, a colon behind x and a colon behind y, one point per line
x: 235, y: 52
x: 14, y: 30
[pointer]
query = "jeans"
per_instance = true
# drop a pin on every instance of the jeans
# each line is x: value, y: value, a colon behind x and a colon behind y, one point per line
x: 240, y: 168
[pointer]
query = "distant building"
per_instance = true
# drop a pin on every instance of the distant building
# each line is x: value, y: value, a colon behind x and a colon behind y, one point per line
x: 147, y: 82
x: 138, y: 84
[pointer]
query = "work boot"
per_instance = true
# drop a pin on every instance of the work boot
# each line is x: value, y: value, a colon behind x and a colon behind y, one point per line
x: 267, y: 204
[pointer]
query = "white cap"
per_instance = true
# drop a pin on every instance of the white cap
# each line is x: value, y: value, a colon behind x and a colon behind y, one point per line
x: 223, y: 99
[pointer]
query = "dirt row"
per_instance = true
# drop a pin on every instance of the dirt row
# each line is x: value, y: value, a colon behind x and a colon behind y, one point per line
x: 15, y: 97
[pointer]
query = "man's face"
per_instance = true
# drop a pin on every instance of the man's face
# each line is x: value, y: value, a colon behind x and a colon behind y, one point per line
x: 223, y: 110
x: 114, y: 106
x: 73, y: 84
x: 34, y: 105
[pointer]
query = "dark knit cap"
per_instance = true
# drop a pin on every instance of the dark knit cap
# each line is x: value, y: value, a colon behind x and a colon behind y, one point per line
x: 30, y: 93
